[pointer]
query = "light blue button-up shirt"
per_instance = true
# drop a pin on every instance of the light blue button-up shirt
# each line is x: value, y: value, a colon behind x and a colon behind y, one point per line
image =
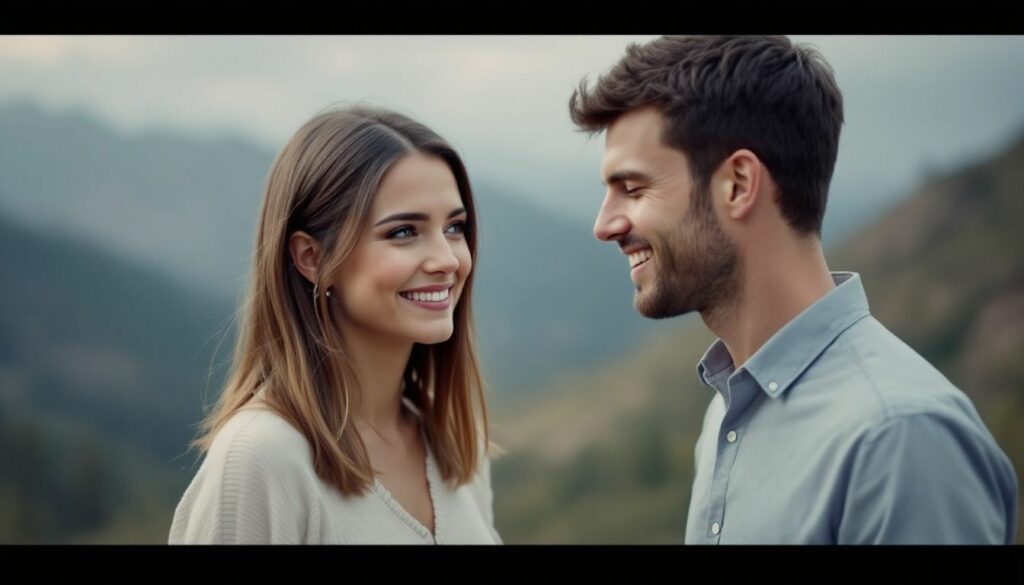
x: 837, y: 432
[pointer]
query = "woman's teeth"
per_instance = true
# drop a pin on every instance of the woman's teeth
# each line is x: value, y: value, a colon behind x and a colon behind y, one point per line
x: 637, y: 257
x: 430, y: 297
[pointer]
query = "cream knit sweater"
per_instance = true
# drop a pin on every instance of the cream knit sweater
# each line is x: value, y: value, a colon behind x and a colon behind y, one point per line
x: 257, y: 485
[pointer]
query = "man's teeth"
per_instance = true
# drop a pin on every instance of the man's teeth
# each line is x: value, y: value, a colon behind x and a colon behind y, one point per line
x: 638, y: 257
x: 432, y: 297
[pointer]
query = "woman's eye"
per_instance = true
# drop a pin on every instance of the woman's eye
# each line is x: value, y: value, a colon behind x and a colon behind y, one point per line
x: 402, y: 233
x: 458, y: 227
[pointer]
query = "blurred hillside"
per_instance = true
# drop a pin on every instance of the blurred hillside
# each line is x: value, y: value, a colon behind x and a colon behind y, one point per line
x: 103, y: 367
x: 187, y: 208
x: 122, y: 258
x: 108, y: 349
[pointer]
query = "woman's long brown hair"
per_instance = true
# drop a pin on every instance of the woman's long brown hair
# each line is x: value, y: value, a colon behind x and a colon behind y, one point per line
x: 323, y: 182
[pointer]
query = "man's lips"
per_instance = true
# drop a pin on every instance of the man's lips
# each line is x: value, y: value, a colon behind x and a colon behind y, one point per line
x: 639, y: 256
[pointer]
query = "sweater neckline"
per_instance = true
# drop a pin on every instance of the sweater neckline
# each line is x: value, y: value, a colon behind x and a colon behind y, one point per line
x: 433, y: 480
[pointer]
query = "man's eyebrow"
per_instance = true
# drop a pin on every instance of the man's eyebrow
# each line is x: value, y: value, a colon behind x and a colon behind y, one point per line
x: 415, y: 216
x: 626, y: 175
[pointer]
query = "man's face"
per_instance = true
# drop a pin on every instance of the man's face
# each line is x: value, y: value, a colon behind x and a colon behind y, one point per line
x: 680, y: 258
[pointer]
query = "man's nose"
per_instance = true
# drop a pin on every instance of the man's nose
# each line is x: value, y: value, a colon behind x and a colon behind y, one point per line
x: 611, y: 224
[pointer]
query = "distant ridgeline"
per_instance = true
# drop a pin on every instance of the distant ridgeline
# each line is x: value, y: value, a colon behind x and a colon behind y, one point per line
x: 549, y: 296
x: 107, y: 348
x: 123, y: 257
x: 103, y: 366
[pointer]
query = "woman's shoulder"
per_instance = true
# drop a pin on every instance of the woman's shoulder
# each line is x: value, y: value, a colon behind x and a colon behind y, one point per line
x: 256, y: 435
x: 256, y: 450
x: 257, y: 464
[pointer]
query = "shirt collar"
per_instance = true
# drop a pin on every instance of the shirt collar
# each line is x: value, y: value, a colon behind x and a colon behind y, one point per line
x: 716, y: 360
x: 792, y: 348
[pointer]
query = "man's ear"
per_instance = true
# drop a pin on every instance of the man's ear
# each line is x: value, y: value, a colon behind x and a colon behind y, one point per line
x: 742, y: 173
x: 305, y: 251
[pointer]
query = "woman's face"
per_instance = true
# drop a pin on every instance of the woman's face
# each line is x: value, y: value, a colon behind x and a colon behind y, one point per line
x: 405, y: 276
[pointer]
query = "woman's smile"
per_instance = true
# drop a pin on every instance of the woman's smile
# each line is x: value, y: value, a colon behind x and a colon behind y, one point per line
x: 434, y: 298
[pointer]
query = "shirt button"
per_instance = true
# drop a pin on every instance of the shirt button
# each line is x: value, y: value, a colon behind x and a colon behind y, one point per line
x: 773, y: 386
x: 731, y: 437
x: 716, y: 528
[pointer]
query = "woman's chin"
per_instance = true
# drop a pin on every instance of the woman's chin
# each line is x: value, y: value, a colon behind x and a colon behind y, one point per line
x: 434, y: 336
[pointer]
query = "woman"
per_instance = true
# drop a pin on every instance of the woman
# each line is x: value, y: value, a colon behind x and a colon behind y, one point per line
x: 355, y: 410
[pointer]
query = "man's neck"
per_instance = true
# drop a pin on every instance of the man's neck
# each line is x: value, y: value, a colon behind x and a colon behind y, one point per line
x: 778, y: 283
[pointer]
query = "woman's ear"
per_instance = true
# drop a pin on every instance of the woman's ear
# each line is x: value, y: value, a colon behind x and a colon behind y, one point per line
x: 305, y: 251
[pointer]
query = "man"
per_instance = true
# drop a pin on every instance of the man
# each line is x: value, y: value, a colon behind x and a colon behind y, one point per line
x: 824, y: 427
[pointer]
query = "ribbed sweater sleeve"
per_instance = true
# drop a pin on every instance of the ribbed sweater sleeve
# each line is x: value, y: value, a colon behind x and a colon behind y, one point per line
x: 256, y: 487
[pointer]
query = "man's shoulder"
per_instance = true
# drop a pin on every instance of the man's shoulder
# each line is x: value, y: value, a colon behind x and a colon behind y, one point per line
x: 876, y: 377
x: 887, y: 363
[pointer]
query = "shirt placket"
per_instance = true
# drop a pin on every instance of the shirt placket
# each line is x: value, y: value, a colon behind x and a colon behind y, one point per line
x: 742, y: 390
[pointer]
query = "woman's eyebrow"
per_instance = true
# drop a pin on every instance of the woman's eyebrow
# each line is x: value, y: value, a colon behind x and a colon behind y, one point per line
x: 402, y: 217
x: 415, y: 216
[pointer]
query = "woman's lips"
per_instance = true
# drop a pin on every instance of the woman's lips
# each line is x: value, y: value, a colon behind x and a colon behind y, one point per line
x: 434, y: 297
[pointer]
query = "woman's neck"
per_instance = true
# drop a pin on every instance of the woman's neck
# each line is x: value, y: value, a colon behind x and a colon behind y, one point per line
x: 379, y: 365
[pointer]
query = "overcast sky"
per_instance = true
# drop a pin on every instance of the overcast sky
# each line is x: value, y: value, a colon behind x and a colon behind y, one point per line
x: 911, y: 102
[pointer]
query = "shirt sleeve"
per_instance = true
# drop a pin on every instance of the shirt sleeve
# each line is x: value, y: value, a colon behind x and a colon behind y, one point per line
x: 928, y: 479
x: 254, y: 490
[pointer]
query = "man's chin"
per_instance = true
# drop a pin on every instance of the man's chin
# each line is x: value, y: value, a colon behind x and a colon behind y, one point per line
x: 652, y: 307
x: 643, y: 304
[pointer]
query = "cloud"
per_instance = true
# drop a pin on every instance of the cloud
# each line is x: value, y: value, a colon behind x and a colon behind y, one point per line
x: 503, y: 100
x: 56, y: 51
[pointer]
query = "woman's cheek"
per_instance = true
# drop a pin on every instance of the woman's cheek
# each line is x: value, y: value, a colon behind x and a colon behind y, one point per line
x: 465, y: 260
x: 399, y: 268
x: 464, y: 270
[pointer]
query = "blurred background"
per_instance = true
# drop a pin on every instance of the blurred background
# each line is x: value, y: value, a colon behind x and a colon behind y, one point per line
x: 131, y: 173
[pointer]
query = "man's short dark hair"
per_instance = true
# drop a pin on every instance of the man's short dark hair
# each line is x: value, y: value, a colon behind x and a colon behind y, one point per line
x: 721, y: 94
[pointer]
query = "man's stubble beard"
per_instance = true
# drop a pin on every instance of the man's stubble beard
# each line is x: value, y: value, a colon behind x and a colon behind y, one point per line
x: 698, y: 267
